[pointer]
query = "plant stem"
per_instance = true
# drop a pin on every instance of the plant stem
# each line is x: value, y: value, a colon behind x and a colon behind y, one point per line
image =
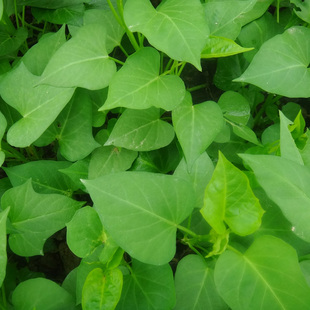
x: 191, y: 89
x: 187, y: 231
x: 16, y: 14
x: 116, y: 60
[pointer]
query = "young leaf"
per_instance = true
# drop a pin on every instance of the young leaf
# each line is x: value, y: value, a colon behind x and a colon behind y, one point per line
x: 141, y: 130
x: 287, y: 184
x: 148, y: 287
x: 195, y: 287
x: 35, y: 217
x: 288, y: 147
x: 3, y: 124
x: 138, y: 85
x: 84, y: 232
x: 182, y: 21
x: 81, y: 62
x: 221, y: 47
x: 143, y: 213
x: 45, y: 175
x: 3, y: 238
x: 302, y: 9
x: 245, y: 133
x: 102, y: 290
x: 110, y: 159
x: 229, y: 199
x: 280, y: 62
x: 41, y: 294
x: 271, y: 266
x: 196, y: 126
x: 39, y: 105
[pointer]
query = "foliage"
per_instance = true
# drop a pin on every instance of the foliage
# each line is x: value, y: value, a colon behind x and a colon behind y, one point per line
x: 157, y: 152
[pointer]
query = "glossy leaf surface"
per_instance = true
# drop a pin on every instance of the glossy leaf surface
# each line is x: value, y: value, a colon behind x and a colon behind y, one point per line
x: 183, y: 22
x: 271, y: 266
x: 229, y: 199
x: 35, y: 217
x: 142, y: 215
x: 138, y: 85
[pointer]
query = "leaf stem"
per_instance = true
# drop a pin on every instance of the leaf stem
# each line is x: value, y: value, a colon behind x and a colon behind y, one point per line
x: 116, y: 60
x: 187, y: 231
x: 191, y: 89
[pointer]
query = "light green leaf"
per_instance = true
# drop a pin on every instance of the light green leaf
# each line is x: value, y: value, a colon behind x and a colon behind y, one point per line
x: 195, y: 287
x: 47, y: 4
x: 281, y: 64
x: 39, y: 55
x: 35, y: 217
x: 114, y: 31
x: 3, y: 238
x: 141, y: 130
x: 84, y: 232
x: 3, y: 124
x: 235, y: 107
x: 138, y: 85
x: 271, y: 266
x: 303, y: 9
x: 148, y: 288
x: 221, y: 47
x: 110, y: 159
x: 81, y: 62
x: 42, y: 294
x: 225, y: 17
x: 196, y: 126
x: 45, y: 175
x: 142, y: 215
x: 182, y: 21
x: 245, y: 133
x: 102, y: 290
x: 305, y: 268
x: 229, y: 199
x: 287, y: 184
x: 288, y: 147
x: 1, y: 9
x: 199, y: 175
x: 39, y: 105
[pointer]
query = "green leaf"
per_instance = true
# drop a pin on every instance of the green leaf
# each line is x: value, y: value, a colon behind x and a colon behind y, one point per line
x: 199, y: 175
x: 3, y: 238
x: 110, y: 159
x: 47, y: 4
x: 288, y: 147
x: 41, y: 294
x: 142, y: 215
x: 221, y: 47
x: 225, y: 17
x: 141, y: 130
x: 302, y: 9
x: 235, y: 107
x: 9, y: 43
x: 195, y: 287
x: 39, y: 105
x: 287, y: 184
x: 81, y: 62
x: 39, y: 55
x: 196, y: 126
x: 102, y: 290
x: 3, y: 124
x: 245, y: 133
x: 283, y: 58
x: 138, y: 85
x: 271, y: 265
x: 35, y: 217
x: 229, y: 199
x: 45, y: 175
x: 148, y: 288
x: 182, y: 21
x: 114, y: 31
x: 84, y: 232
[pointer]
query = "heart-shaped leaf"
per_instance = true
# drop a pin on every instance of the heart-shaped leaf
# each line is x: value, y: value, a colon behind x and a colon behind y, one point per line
x: 138, y: 85
x: 271, y: 266
x: 39, y: 105
x: 82, y: 61
x: 35, y: 217
x: 196, y: 126
x: 141, y: 130
x: 229, y: 199
x: 182, y: 21
x: 142, y: 215
x: 281, y: 64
